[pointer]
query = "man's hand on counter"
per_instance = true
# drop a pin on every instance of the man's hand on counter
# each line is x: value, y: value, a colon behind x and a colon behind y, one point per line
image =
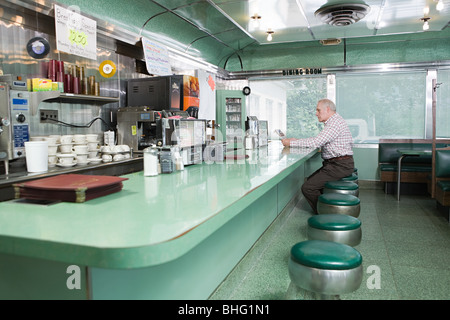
x: 287, y: 142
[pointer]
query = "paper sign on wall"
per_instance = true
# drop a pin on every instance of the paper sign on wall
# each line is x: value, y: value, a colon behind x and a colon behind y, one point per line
x: 75, y: 34
x: 156, y: 58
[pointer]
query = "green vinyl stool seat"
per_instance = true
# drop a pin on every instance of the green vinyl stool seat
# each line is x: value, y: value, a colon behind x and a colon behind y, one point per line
x: 338, y: 203
x: 335, y: 227
x: 344, y: 187
x: 326, y: 268
x: 353, y: 178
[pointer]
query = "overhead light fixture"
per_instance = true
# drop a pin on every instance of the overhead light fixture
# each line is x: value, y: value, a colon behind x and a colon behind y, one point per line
x: 269, y: 34
x: 439, y: 5
x: 426, y: 26
x: 256, y: 18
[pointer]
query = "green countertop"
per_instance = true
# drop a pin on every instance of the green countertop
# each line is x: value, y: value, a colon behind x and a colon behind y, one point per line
x: 152, y: 220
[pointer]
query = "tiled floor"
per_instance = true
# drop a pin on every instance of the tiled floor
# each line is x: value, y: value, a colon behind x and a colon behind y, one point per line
x: 407, y: 241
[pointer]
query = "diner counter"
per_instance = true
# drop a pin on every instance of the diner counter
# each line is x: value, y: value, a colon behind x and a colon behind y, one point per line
x: 154, y: 220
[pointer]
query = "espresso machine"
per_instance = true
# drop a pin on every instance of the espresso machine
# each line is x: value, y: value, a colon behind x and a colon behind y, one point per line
x: 14, y: 117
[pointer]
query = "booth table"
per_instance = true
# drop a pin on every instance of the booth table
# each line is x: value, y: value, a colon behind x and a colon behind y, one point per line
x: 407, y: 153
x: 172, y: 236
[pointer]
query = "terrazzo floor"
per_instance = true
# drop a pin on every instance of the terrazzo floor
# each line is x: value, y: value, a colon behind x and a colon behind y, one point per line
x: 405, y: 248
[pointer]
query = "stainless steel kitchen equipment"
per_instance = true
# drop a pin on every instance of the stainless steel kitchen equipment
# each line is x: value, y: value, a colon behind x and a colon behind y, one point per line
x: 139, y: 127
x: 188, y: 134
x: 14, y: 117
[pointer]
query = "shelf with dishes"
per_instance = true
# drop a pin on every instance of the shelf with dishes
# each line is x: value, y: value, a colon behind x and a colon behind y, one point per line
x: 55, y: 96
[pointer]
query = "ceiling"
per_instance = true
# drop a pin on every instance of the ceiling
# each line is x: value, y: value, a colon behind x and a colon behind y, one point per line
x: 222, y: 32
x: 295, y: 20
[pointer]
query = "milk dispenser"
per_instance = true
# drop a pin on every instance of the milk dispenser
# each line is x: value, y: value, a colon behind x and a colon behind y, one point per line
x: 14, y: 117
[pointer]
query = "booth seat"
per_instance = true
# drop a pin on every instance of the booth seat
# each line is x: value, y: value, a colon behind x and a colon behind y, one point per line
x: 442, y: 172
x: 415, y: 169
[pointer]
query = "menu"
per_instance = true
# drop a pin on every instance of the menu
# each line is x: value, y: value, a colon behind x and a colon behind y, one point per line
x: 69, y: 187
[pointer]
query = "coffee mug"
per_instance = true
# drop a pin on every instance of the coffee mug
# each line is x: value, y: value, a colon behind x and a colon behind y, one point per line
x: 66, y: 139
x: 116, y: 148
x: 51, y: 140
x: 52, y: 149
x: 79, y: 138
x: 118, y: 157
x: 65, y: 160
x: 65, y: 148
x: 91, y: 137
x: 82, y: 158
x: 52, y: 160
x: 93, y: 146
x: 79, y: 149
x: 106, y: 149
x: 92, y: 154
x: 106, y: 158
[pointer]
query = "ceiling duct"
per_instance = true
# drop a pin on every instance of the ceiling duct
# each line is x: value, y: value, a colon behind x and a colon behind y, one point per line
x: 342, y: 14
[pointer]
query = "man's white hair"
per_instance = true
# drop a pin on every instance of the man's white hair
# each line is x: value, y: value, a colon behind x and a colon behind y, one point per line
x: 327, y: 103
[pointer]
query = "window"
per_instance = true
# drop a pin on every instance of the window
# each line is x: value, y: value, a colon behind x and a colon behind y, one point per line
x: 375, y: 104
x: 383, y: 105
x: 443, y: 104
x: 287, y: 104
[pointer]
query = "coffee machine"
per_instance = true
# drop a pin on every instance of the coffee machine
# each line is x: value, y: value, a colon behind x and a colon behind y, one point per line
x: 14, y: 117
x: 139, y: 127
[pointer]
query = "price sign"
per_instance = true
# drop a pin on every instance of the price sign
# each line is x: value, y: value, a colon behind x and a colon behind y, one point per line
x: 75, y: 34
x: 156, y: 58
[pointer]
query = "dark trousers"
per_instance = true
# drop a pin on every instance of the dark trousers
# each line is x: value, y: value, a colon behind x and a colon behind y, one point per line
x: 331, y: 170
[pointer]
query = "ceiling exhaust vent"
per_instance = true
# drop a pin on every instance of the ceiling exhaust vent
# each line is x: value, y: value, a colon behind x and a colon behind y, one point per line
x: 342, y: 14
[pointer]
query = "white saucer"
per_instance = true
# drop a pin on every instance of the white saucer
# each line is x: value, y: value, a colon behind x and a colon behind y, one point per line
x: 66, y: 155
x: 94, y: 160
x: 66, y: 165
x: 109, y: 152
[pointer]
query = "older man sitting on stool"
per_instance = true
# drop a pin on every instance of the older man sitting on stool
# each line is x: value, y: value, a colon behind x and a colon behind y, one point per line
x: 335, y: 141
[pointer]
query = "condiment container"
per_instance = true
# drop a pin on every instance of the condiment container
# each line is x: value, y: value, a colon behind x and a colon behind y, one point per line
x: 151, y: 161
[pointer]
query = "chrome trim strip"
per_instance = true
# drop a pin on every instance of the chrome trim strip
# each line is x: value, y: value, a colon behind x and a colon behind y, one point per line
x: 431, y: 75
x: 380, y: 67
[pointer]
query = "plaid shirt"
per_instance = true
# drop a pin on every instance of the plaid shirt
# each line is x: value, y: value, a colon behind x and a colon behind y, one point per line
x: 335, y: 139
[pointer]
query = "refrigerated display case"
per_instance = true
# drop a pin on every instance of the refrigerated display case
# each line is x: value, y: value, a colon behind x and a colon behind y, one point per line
x: 230, y: 116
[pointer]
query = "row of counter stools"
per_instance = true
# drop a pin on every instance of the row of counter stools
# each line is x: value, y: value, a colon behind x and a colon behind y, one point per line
x: 326, y: 264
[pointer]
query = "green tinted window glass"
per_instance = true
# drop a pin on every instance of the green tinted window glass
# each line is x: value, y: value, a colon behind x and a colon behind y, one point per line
x: 383, y: 105
x: 443, y: 104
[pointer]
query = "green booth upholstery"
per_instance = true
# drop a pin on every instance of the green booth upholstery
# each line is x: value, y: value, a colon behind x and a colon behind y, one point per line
x: 442, y: 172
x: 415, y: 169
